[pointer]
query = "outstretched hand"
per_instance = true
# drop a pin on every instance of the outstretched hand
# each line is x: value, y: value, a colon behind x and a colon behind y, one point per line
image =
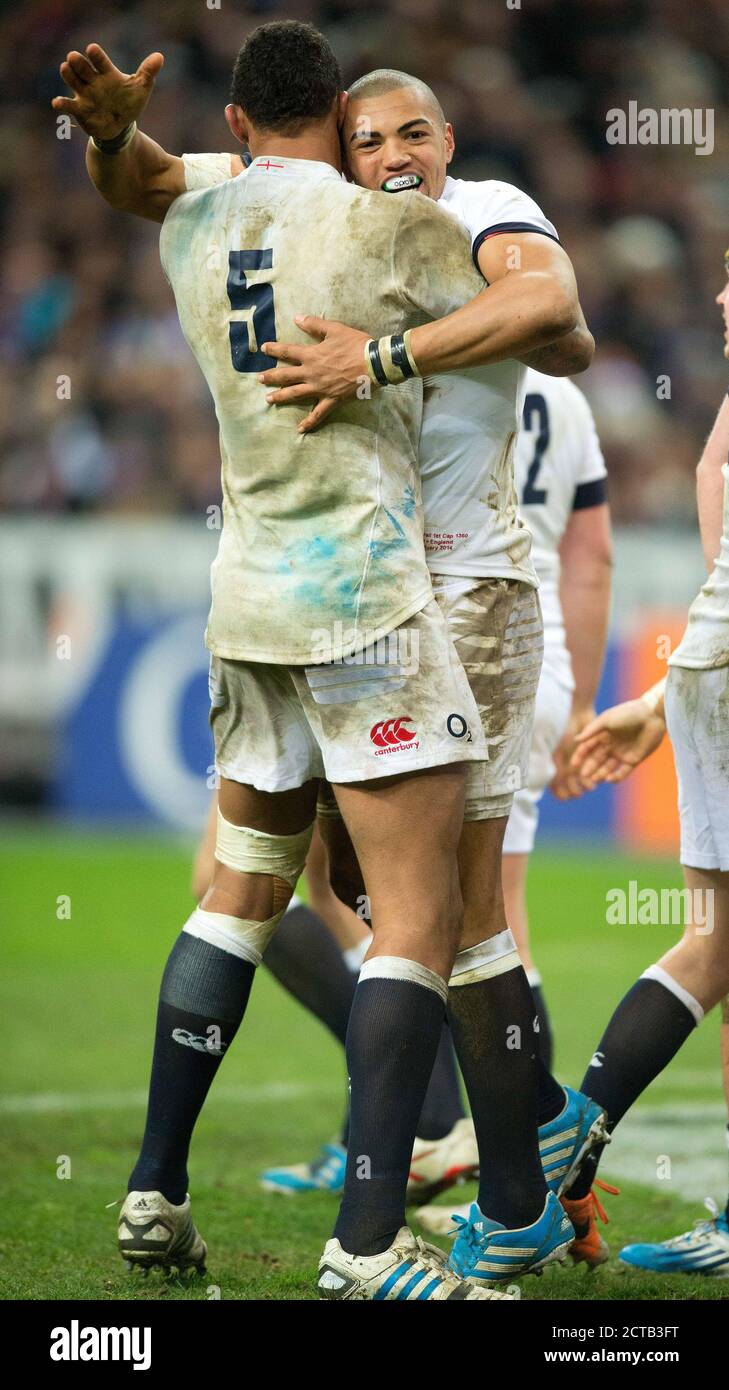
x: 106, y: 100
x: 612, y: 745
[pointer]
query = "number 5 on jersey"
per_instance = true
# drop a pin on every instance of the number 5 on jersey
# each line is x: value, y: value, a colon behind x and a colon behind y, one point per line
x: 256, y: 321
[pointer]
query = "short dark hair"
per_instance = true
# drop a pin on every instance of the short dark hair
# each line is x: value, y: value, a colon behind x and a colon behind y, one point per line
x: 285, y: 76
x: 382, y: 80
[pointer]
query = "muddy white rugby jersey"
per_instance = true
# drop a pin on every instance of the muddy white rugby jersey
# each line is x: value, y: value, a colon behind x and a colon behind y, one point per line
x: 470, y: 422
x: 559, y: 468
x: 470, y: 418
x: 705, y: 643
x: 320, y: 531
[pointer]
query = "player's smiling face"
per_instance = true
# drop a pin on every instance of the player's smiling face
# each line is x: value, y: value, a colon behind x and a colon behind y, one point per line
x: 397, y: 140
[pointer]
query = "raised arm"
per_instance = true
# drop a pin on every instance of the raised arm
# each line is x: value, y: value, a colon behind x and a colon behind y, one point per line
x: 137, y: 176
x: 129, y: 169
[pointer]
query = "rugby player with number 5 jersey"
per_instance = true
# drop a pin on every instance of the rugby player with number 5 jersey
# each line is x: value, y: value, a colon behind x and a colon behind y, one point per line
x: 279, y: 723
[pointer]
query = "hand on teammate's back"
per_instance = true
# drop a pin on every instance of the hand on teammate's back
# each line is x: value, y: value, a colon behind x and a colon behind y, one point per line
x: 106, y: 100
x: 613, y: 745
x: 331, y: 370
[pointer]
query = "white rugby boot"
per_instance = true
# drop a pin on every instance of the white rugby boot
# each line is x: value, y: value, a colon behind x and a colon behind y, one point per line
x: 410, y: 1271
x: 152, y: 1231
x: 438, y: 1164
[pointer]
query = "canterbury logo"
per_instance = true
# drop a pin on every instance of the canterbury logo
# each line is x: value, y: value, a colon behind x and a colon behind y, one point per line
x: 598, y: 1059
x: 181, y: 1035
x: 392, y: 733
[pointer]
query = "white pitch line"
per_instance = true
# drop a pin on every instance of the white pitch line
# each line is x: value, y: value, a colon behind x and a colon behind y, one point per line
x: 691, y: 1136
x: 54, y: 1102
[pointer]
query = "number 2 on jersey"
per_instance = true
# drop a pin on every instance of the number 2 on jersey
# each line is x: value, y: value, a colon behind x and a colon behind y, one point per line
x: 535, y: 405
x: 257, y: 322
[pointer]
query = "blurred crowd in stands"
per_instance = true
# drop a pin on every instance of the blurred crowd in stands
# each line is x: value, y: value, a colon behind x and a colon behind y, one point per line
x: 131, y: 429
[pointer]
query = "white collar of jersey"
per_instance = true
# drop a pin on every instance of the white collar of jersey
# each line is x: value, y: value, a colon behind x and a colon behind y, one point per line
x: 276, y: 166
x: 450, y: 188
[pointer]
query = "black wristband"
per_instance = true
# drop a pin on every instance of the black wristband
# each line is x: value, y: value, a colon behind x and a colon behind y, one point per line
x: 399, y: 356
x: 118, y: 142
x: 373, y: 348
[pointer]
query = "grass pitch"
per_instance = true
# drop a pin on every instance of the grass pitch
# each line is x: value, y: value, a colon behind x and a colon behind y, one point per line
x: 88, y: 924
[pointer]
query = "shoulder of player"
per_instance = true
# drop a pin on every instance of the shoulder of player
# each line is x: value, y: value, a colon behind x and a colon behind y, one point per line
x: 418, y: 211
x: 192, y: 200
x: 409, y: 203
x: 481, y: 191
x: 482, y: 186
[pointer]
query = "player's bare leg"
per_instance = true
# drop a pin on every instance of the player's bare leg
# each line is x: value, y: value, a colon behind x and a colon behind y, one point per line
x: 405, y: 833
x: 203, y: 864
x: 699, y: 963
x: 261, y: 843
x: 514, y: 871
x: 349, y: 929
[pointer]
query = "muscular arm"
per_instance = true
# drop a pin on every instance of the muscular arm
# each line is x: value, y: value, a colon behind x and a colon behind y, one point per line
x: 530, y: 301
x: 710, y: 485
x: 566, y: 356
x: 142, y: 178
x: 528, y: 310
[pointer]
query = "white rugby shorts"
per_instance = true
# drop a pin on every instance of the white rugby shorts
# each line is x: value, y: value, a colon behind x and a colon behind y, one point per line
x: 697, y: 718
x: 496, y: 626
x: 402, y: 705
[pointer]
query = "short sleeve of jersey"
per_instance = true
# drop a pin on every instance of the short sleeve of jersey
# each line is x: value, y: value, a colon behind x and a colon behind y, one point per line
x: 170, y: 232
x: 431, y: 258
x: 203, y: 170
x: 490, y: 208
x: 590, y: 470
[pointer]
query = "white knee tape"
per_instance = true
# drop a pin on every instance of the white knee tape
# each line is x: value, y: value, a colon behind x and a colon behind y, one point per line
x: 488, y: 958
x: 256, y: 852
x: 247, y: 940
